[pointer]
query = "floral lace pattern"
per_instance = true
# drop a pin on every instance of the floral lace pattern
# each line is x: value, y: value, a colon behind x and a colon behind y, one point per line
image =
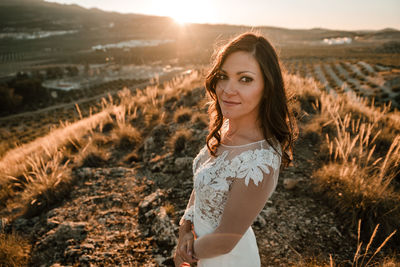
x: 188, y: 215
x: 213, y: 177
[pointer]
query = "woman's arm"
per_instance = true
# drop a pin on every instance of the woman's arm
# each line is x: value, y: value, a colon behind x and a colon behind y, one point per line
x: 243, y: 205
x: 184, y: 248
x: 187, y: 217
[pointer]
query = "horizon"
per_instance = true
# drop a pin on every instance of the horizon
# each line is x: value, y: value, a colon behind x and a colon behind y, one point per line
x: 333, y: 15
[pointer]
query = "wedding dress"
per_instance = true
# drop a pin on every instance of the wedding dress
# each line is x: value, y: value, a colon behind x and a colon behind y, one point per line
x: 213, y: 179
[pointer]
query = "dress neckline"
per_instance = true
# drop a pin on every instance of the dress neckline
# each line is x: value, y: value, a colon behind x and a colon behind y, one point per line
x: 252, y: 143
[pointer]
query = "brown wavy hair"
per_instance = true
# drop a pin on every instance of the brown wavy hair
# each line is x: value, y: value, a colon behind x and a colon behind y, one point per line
x: 274, y: 115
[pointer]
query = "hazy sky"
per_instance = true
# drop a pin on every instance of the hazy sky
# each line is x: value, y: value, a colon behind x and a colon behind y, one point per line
x: 331, y: 14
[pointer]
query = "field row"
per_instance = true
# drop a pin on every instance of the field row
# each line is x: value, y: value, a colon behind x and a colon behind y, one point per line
x: 380, y: 82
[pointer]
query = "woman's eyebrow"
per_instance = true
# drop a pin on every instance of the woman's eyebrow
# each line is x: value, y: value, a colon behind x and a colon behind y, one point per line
x: 239, y: 72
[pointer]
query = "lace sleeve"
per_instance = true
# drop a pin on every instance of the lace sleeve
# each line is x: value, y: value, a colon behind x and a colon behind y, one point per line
x: 244, y: 202
x: 188, y: 215
x: 253, y: 165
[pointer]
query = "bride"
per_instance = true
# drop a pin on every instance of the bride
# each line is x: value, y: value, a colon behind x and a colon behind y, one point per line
x: 236, y: 172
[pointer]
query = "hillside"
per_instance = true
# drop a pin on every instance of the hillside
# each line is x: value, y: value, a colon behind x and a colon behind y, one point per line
x: 110, y: 187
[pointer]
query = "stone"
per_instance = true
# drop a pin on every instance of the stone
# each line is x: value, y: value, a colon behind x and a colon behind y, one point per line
x: 63, y: 232
x: 290, y: 183
x: 183, y: 163
x: 163, y: 228
x: 260, y: 221
x: 149, y: 200
x: 149, y: 144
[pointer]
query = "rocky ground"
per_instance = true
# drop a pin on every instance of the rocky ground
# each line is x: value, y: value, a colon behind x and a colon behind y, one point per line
x: 127, y: 215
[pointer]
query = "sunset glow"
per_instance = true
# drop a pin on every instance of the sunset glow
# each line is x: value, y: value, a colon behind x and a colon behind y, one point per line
x: 184, y: 11
x: 300, y: 14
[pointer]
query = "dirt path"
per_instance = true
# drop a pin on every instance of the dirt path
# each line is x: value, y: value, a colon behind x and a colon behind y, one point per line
x: 98, y: 225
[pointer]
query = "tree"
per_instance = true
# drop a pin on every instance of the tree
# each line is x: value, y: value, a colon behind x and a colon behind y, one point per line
x: 9, y: 100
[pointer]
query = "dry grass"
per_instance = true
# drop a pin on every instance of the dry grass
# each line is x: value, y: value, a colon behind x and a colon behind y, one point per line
x: 92, y: 156
x: 357, y: 176
x: 183, y: 115
x: 360, y: 171
x: 179, y: 140
x: 200, y: 120
x: 14, y: 250
x: 364, y: 256
x: 126, y: 137
x: 47, y: 184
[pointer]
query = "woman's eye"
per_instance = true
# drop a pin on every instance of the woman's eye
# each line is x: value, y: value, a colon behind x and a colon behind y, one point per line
x: 221, y: 77
x: 246, y: 79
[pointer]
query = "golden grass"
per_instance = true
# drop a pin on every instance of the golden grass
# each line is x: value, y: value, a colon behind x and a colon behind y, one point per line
x: 362, y: 149
x: 14, y: 161
x: 33, y: 175
x: 356, y: 172
x: 14, y: 250
x: 183, y: 115
x: 364, y: 256
x: 179, y: 140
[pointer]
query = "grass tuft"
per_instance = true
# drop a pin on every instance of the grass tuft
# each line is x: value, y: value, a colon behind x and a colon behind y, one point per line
x: 182, y: 115
x: 14, y: 250
x: 179, y: 140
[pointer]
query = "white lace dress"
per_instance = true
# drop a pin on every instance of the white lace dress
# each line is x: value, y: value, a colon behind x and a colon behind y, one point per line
x: 213, y: 177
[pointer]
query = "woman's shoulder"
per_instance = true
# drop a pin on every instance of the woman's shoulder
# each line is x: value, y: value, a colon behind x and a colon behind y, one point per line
x: 199, y: 157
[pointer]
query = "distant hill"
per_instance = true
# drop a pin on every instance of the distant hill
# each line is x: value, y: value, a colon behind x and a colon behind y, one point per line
x: 33, y: 14
x: 29, y: 15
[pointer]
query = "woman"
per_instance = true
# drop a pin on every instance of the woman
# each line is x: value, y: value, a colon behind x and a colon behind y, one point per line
x: 251, y: 133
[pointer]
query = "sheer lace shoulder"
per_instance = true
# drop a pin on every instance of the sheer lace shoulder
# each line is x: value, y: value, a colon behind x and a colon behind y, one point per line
x: 213, y: 176
x: 199, y: 158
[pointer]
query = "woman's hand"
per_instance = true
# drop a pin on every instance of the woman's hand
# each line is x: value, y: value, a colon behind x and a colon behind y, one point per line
x: 184, y: 249
x: 178, y: 261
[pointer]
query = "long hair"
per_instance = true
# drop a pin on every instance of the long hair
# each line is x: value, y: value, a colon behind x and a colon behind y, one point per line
x: 274, y: 115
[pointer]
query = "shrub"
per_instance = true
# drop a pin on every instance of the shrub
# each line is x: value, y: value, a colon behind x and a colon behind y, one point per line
x: 200, y: 120
x: 179, y: 140
x: 182, y: 115
x: 92, y: 156
x: 126, y: 137
x: 14, y: 250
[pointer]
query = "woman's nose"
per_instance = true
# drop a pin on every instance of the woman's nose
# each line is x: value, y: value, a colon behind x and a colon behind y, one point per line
x: 229, y: 88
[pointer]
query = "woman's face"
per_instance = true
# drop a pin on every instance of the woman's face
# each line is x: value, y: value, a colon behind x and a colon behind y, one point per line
x: 240, y: 86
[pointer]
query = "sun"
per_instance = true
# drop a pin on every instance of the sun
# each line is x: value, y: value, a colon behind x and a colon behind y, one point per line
x: 179, y: 20
x: 182, y: 15
x: 186, y: 11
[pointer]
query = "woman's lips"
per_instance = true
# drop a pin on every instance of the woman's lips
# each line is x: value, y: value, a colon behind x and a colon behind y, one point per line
x: 230, y: 103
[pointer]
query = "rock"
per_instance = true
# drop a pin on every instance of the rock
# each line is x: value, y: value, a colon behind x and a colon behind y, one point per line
x: 260, y: 221
x: 87, y: 247
x: 84, y: 173
x: 150, y: 200
x: 183, y: 163
x: 85, y: 259
x: 159, y: 259
x: 3, y: 224
x: 149, y: 145
x: 290, y: 183
x: 333, y: 229
x: 162, y: 228
x: 268, y: 212
x: 72, y: 253
x: 65, y: 231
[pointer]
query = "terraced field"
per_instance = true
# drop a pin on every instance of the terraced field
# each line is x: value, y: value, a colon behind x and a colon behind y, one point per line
x: 23, y: 129
x: 363, y: 79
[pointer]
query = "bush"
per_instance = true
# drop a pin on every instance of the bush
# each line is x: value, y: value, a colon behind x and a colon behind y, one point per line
x: 179, y: 140
x: 183, y: 115
x: 14, y: 250
x: 9, y: 100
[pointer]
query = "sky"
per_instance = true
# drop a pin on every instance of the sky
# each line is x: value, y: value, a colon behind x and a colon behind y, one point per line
x: 293, y: 14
